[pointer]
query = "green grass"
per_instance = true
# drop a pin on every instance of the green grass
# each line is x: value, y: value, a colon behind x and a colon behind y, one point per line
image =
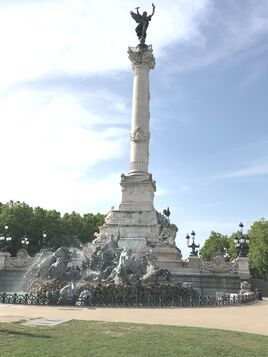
x: 89, y: 338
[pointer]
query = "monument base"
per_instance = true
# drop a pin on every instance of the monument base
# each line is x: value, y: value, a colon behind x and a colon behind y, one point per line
x: 168, y: 257
x: 134, y: 229
x: 141, y: 231
x: 135, y: 244
x: 137, y: 192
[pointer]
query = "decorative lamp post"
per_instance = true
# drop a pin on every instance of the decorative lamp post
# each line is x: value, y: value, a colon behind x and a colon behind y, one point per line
x: 241, y: 243
x: 193, y: 246
x: 5, y: 239
x: 25, y: 242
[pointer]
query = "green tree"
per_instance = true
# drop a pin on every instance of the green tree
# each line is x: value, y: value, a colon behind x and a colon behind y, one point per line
x: 216, y: 242
x: 81, y: 228
x: 70, y: 230
x: 232, y: 246
x: 49, y: 221
x: 73, y: 228
x: 258, y: 248
x: 92, y: 222
x: 18, y: 216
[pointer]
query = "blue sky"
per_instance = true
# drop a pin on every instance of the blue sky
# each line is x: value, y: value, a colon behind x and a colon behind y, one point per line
x: 65, y: 107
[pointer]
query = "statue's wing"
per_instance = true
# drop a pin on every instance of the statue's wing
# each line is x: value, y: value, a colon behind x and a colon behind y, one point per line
x: 135, y: 16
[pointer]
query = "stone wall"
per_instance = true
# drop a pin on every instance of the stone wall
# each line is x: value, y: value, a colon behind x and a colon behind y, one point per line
x: 208, y: 277
x: 209, y: 283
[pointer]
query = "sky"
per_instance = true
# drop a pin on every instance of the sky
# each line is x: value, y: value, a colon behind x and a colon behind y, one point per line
x: 65, y: 107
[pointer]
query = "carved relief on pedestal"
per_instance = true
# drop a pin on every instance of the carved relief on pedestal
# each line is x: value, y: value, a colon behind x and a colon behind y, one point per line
x: 139, y: 135
x: 218, y: 265
x: 144, y: 56
x: 136, y: 190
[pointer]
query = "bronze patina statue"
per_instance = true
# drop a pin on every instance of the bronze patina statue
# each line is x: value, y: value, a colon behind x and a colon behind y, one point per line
x: 143, y: 23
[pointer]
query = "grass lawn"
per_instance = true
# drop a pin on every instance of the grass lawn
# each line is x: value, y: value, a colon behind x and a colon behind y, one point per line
x: 89, y: 338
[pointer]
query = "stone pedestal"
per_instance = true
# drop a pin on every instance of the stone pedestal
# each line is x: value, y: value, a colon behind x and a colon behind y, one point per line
x: 166, y: 252
x: 137, y: 192
x: 243, y: 268
x: 136, y: 229
x: 167, y: 257
x: 194, y: 263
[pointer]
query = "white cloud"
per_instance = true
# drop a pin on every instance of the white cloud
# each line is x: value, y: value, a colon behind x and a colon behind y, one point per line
x: 254, y: 170
x: 229, y: 32
x: 50, y: 146
x: 84, y: 36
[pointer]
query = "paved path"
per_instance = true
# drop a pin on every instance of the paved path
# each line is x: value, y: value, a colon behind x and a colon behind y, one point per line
x: 250, y: 318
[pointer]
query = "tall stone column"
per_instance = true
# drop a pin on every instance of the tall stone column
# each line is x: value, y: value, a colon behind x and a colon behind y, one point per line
x: 142, y: 61
x: 136, y: 223
x: 138, y: 187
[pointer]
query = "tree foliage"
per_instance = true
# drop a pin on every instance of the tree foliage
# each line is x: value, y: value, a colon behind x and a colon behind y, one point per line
x: 216, y: 242
x: 258, y: 248
x: 71, y: 229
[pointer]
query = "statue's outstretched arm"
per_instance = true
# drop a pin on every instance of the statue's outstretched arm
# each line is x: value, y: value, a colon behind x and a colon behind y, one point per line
x: 137, y: 8
x: 153, y: 5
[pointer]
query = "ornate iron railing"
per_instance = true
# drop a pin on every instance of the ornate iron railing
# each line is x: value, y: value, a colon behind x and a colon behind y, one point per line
x: 208, y: 301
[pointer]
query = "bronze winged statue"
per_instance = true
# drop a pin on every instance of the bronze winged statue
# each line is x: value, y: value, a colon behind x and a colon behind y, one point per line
x: 143, y: 23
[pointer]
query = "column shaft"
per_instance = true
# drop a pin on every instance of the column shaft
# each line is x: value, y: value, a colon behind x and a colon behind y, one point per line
x: 139, y: 151
x: 142, y: 61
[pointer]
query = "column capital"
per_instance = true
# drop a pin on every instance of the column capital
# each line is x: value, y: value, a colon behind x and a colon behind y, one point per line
x: 141, y: 55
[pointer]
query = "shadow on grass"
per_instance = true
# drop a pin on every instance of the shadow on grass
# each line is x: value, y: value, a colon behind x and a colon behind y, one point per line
x: 19, y: 333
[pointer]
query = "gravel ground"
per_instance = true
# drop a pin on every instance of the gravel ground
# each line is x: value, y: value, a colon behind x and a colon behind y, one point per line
x: 251, y: 318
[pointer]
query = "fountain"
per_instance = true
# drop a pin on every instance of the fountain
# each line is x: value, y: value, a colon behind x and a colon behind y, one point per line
x: 101, y: 274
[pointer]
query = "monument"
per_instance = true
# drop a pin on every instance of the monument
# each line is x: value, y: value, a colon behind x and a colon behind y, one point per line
x: 136, y: 223
x: 134, y: 258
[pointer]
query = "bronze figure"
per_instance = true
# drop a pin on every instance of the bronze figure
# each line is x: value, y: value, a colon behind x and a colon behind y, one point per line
x: 143, y: 23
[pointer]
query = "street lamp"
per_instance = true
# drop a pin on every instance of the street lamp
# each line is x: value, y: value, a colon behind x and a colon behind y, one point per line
x: 5, y: 239
x: 44, y: 240
x: 25, y: 242
x: 241, y: 243
x: 193, y: 246
x: 226, y: 255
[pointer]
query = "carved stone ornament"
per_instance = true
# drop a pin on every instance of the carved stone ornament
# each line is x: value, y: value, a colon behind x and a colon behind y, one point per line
x: 144, y: 56
x: 245, y: 286
x: 22, y: 260
x: 218, y: 265
x: 136, y: 190
x: 168, y: 231
x: 139, y: 135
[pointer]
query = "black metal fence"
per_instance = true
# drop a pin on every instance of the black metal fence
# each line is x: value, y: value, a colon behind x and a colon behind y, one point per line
x: 207, y: 301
